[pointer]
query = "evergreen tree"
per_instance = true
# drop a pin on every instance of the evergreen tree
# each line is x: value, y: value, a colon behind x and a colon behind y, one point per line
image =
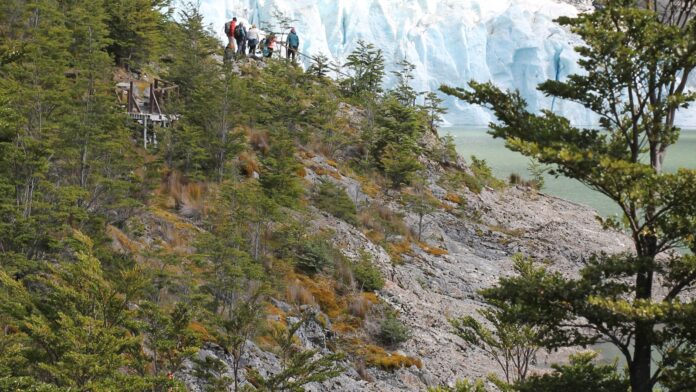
x: 637, y: 60
x: 279, y: 179
x: 366, y: 63
x: 135, y: 29
x: 404, y: 92
x: 434, y: 109
x: 320, y: 66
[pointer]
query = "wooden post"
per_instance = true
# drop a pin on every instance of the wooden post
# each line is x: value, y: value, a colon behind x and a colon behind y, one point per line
x: 130, y: 97
x: 145, y: 132
x: 152, y: 98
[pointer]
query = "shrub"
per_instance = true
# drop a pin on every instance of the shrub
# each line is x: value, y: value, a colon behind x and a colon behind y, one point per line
x: 334, y: 200
x: 484, y: 174
x: 367, y: 275
x: 400, y: 165
x: 392, y: 331
x: 314, y: 255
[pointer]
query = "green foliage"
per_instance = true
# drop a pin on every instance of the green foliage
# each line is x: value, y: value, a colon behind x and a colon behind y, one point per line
x: 434, y: 109
x: 320, y: 66
x: 400, y: 165
x: 135, y: 29
x: 367, y: 274
x: 315, y: 254
x: 366, y: 64
x: 403, y: 92
x: 279, y: 178
x: 484, y: 175
x: 511, y: 343
x: 581, y: 374
x: 299, y: 366
x: 334, y: 200
x: 635, y: 60
x: 420, y: 202
x: 537, y: 171
x: 462, y: 386
x: 392, y: 331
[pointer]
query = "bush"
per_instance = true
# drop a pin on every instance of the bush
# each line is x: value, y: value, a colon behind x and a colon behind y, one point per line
x: 484, y: 174
x: 368, y: 276
x: 314, y: 255
x: 392, y: 331
x: 334, y: 200
x: 400, y: 165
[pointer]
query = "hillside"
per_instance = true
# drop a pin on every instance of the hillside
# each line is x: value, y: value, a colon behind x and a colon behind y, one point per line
x: 286, y: 232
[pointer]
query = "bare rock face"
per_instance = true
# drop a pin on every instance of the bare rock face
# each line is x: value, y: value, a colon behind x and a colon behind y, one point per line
x: 470, y: 245
x: 427, y: 289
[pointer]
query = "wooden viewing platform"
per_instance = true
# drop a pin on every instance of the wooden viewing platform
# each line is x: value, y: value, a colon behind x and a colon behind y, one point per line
x: 145, y: 106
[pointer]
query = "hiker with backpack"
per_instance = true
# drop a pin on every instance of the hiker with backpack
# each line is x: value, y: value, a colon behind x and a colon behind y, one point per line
x: 269, y: 45
x: 293, y: 44
x: 240, y: 35
x: 253, y: 39
x: 229, y: 32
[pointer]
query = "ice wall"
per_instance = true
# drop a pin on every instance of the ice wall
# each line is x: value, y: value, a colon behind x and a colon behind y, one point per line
x: 515, y: 43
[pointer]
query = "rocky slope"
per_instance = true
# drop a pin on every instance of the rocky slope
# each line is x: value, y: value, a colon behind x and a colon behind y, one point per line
x: 470, y: 242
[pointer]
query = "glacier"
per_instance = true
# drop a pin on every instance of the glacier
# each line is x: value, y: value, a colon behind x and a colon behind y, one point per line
x: 514, y: 43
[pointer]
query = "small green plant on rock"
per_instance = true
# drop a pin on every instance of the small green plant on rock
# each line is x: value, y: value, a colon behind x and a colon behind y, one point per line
x: 392, y: 331
x: 366, y: 274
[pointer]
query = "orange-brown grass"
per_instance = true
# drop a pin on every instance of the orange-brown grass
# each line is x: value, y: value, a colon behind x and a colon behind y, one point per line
x: 375, y: 236
x: 454, y: 198
x: 249, y: 164
x: 358, y: 306
x: 200, y: 330
x: 122, y: 239
x: 332, y: 163
x: 298, y: 295
x: 378, y: 357
x: 170, y: 218
x: 323, y: 290
x: 275, y: 311
x: 371, y: 297
x: 189, y: 197
x: 433, y: 251
x: 399, y: 249
x: 259, y: 140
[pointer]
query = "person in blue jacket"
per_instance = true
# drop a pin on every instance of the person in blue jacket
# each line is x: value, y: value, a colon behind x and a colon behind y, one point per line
x: 293, y: 44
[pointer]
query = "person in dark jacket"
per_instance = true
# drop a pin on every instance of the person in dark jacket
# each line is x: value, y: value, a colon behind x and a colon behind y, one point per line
x: 293, y: 44
x: 240, y: 35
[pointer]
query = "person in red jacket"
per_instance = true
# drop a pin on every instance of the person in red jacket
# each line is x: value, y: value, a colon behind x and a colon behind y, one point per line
x: 229, y: 32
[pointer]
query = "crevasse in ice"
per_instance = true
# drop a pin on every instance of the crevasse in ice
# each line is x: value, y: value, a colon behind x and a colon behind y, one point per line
x: 514, y: 43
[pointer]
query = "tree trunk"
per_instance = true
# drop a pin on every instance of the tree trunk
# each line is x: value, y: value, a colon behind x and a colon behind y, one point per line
x: 642, y: 359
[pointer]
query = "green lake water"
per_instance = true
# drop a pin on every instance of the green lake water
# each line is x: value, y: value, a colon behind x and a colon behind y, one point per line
x: 503, y: 162
x: 476, y: 141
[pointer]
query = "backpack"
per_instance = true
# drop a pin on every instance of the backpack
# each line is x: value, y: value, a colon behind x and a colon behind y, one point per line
x: 228, y: 28
x: 238, y: 33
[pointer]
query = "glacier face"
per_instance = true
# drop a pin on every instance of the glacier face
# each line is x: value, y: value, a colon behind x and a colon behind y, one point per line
x: 514, y: 43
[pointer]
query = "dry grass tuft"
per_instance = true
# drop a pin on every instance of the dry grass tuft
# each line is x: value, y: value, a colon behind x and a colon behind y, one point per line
x: 249, y: 164
x: 433, y: 251
x: 454, y: 198
x: 378, y: 357
x: 122, y: 240
x: 259, y: 140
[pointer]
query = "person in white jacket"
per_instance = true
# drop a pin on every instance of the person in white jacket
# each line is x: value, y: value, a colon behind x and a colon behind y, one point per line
x: 253, y: 39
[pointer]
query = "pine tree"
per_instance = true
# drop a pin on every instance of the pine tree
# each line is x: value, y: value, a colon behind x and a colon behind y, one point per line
x: 637, y: 62
x: 366, y: 63
x: 434, y: 109
x: 403, y: 91
x: 135, y: 29
x: 320, y: 66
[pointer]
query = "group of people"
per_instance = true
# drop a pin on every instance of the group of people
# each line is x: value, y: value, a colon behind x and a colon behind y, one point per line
x: 239, y: 38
